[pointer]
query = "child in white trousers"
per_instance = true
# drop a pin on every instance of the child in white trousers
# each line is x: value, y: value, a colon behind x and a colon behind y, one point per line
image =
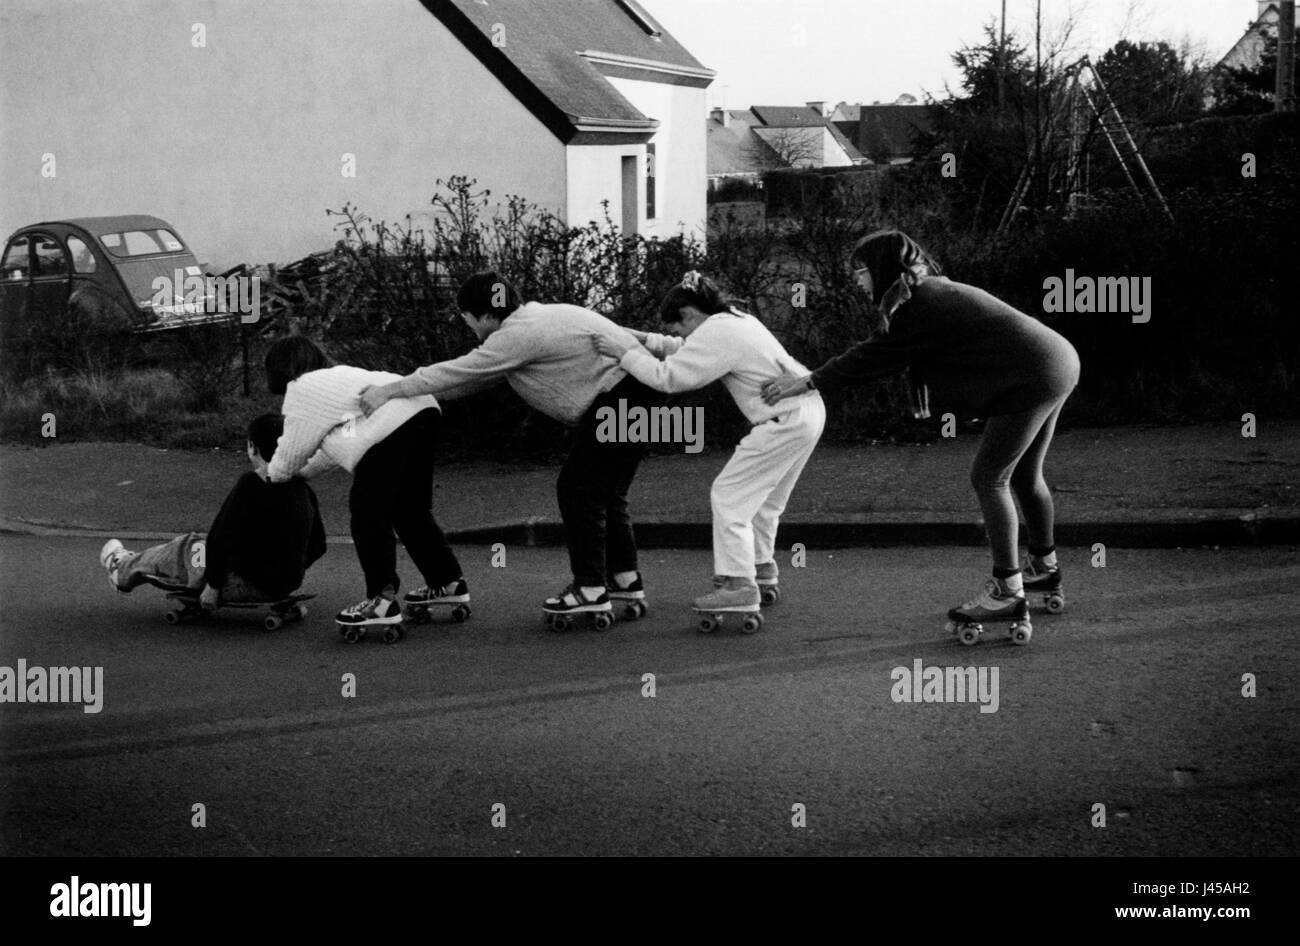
x: 710, y: 340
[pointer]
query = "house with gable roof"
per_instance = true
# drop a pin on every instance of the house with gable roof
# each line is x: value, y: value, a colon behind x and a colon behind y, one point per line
x: 743, y: 143
x: 243, y: 124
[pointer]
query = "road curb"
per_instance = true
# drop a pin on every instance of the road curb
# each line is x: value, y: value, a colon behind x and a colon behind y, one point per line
x: 1245, y: 530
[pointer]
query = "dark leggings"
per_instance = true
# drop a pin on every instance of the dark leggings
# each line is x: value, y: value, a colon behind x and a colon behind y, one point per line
x: 392, y: 492
x: 1010, y: 460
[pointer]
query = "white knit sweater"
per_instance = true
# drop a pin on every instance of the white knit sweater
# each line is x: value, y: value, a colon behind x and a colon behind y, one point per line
x: 733, y: 346
x: 324, y: 424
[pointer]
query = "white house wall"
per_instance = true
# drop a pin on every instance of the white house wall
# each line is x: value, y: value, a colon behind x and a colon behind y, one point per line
x: 241, y: 144
x: 681, y: 152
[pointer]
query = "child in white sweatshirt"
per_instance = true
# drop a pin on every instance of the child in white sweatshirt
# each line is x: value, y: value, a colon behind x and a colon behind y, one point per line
x: 390, y: 456
x: 715, y: 340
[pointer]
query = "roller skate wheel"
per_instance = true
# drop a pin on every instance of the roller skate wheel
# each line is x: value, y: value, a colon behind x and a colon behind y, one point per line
x: 634, y: 610
x: 173, y: 617
x: 392, y: 633
x: 418, y: 614
x: 1055, y: 603
x: 771, y: 595
x: 1021, y: 634
x: 353, y: 635
x: 273, y: 622
x: 950, y: 627
x: 969, y: 634
x: 559, y: 623
x: 460, y: 613
x: 752, y: 623
x: 603, y: 620
x: 709, y: 624
x: 299, y: 612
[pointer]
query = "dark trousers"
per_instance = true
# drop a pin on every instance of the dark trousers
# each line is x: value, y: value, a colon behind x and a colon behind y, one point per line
x: 392, y: 492
x: 592, y: 491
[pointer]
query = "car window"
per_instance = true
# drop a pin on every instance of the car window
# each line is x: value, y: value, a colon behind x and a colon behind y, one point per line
x: 141, y: 242
x: 16, y: 261
x: 83, y: 261
x: 50, y: 260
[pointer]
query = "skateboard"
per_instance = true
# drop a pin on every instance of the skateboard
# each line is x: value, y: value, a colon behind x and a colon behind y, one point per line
x: 356, y: 633
x: 712, y: 618
x: 561, y: 621
x: 284, y: 611
x: 1019, y: 630
x: 423, y: 613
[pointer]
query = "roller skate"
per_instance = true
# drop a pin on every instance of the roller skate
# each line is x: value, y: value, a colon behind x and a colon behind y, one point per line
x: 768, y: 590
x: 1046, y: 581
x: 730, y: 595
x: 628, y: 602
x: 559, y: 611
x: 379, y: 611
x: 996, y: 603
x: 455, y: 595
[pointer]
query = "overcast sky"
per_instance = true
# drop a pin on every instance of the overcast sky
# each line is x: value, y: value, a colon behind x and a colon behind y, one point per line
x: 875, y: 50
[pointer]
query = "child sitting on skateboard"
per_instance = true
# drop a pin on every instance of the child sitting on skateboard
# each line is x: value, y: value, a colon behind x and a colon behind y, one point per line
x: 259, y: 548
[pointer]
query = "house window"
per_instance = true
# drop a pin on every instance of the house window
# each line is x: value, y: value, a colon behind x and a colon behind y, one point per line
x: 650, y: 170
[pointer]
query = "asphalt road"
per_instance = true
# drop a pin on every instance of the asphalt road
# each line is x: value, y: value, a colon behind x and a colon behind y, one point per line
x: 1132, y: 699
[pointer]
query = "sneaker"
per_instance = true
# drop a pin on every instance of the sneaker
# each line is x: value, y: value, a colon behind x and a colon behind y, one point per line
x: 456, y: 592
x: 993, y: 603
x: 572, y: 600
x: 733, y: 594
x: 376, y: 610
x: 111, y: 556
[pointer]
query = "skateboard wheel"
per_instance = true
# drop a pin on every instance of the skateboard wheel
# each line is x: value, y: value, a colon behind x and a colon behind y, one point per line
x: 709, y: 624
x: 603, y: 621
x: 392, y: 633
x: 771, y: 594
x: 1021, y: 634
x: 460, y: 613
x: 969, y: 634
x: 1055, y: 603
x: 273, y: 622
x: 752, y: 623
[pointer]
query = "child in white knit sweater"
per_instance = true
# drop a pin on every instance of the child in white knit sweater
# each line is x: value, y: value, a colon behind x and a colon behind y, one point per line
x: 390, y: 456
x: 712, y: 340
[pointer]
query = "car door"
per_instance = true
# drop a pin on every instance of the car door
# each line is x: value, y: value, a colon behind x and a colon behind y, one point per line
x: 15, y: 300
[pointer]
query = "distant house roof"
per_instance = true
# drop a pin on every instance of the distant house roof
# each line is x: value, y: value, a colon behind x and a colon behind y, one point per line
x: 734, y: 149
x: 786, y: 116
x: 1247, y: 50
x: 555, y: 56
x: 894, y: 127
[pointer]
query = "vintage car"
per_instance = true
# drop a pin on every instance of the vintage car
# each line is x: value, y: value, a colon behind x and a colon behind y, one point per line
x: 101, y: 268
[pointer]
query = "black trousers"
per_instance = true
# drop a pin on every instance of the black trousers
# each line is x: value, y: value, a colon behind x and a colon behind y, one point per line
x: 592, y: 490
x: 391, y: 498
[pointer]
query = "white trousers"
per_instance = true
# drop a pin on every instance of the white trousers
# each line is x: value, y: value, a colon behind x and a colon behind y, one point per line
x: 752, y: 490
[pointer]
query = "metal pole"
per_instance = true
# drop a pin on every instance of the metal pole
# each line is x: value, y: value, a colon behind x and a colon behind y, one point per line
x: 1285, y: 92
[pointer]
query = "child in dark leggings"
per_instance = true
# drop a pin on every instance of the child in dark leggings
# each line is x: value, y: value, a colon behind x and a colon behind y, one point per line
x: 981, y: 358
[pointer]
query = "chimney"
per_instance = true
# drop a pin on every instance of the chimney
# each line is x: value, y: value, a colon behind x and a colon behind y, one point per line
x: 820, y: 107
x: 720, y: 115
